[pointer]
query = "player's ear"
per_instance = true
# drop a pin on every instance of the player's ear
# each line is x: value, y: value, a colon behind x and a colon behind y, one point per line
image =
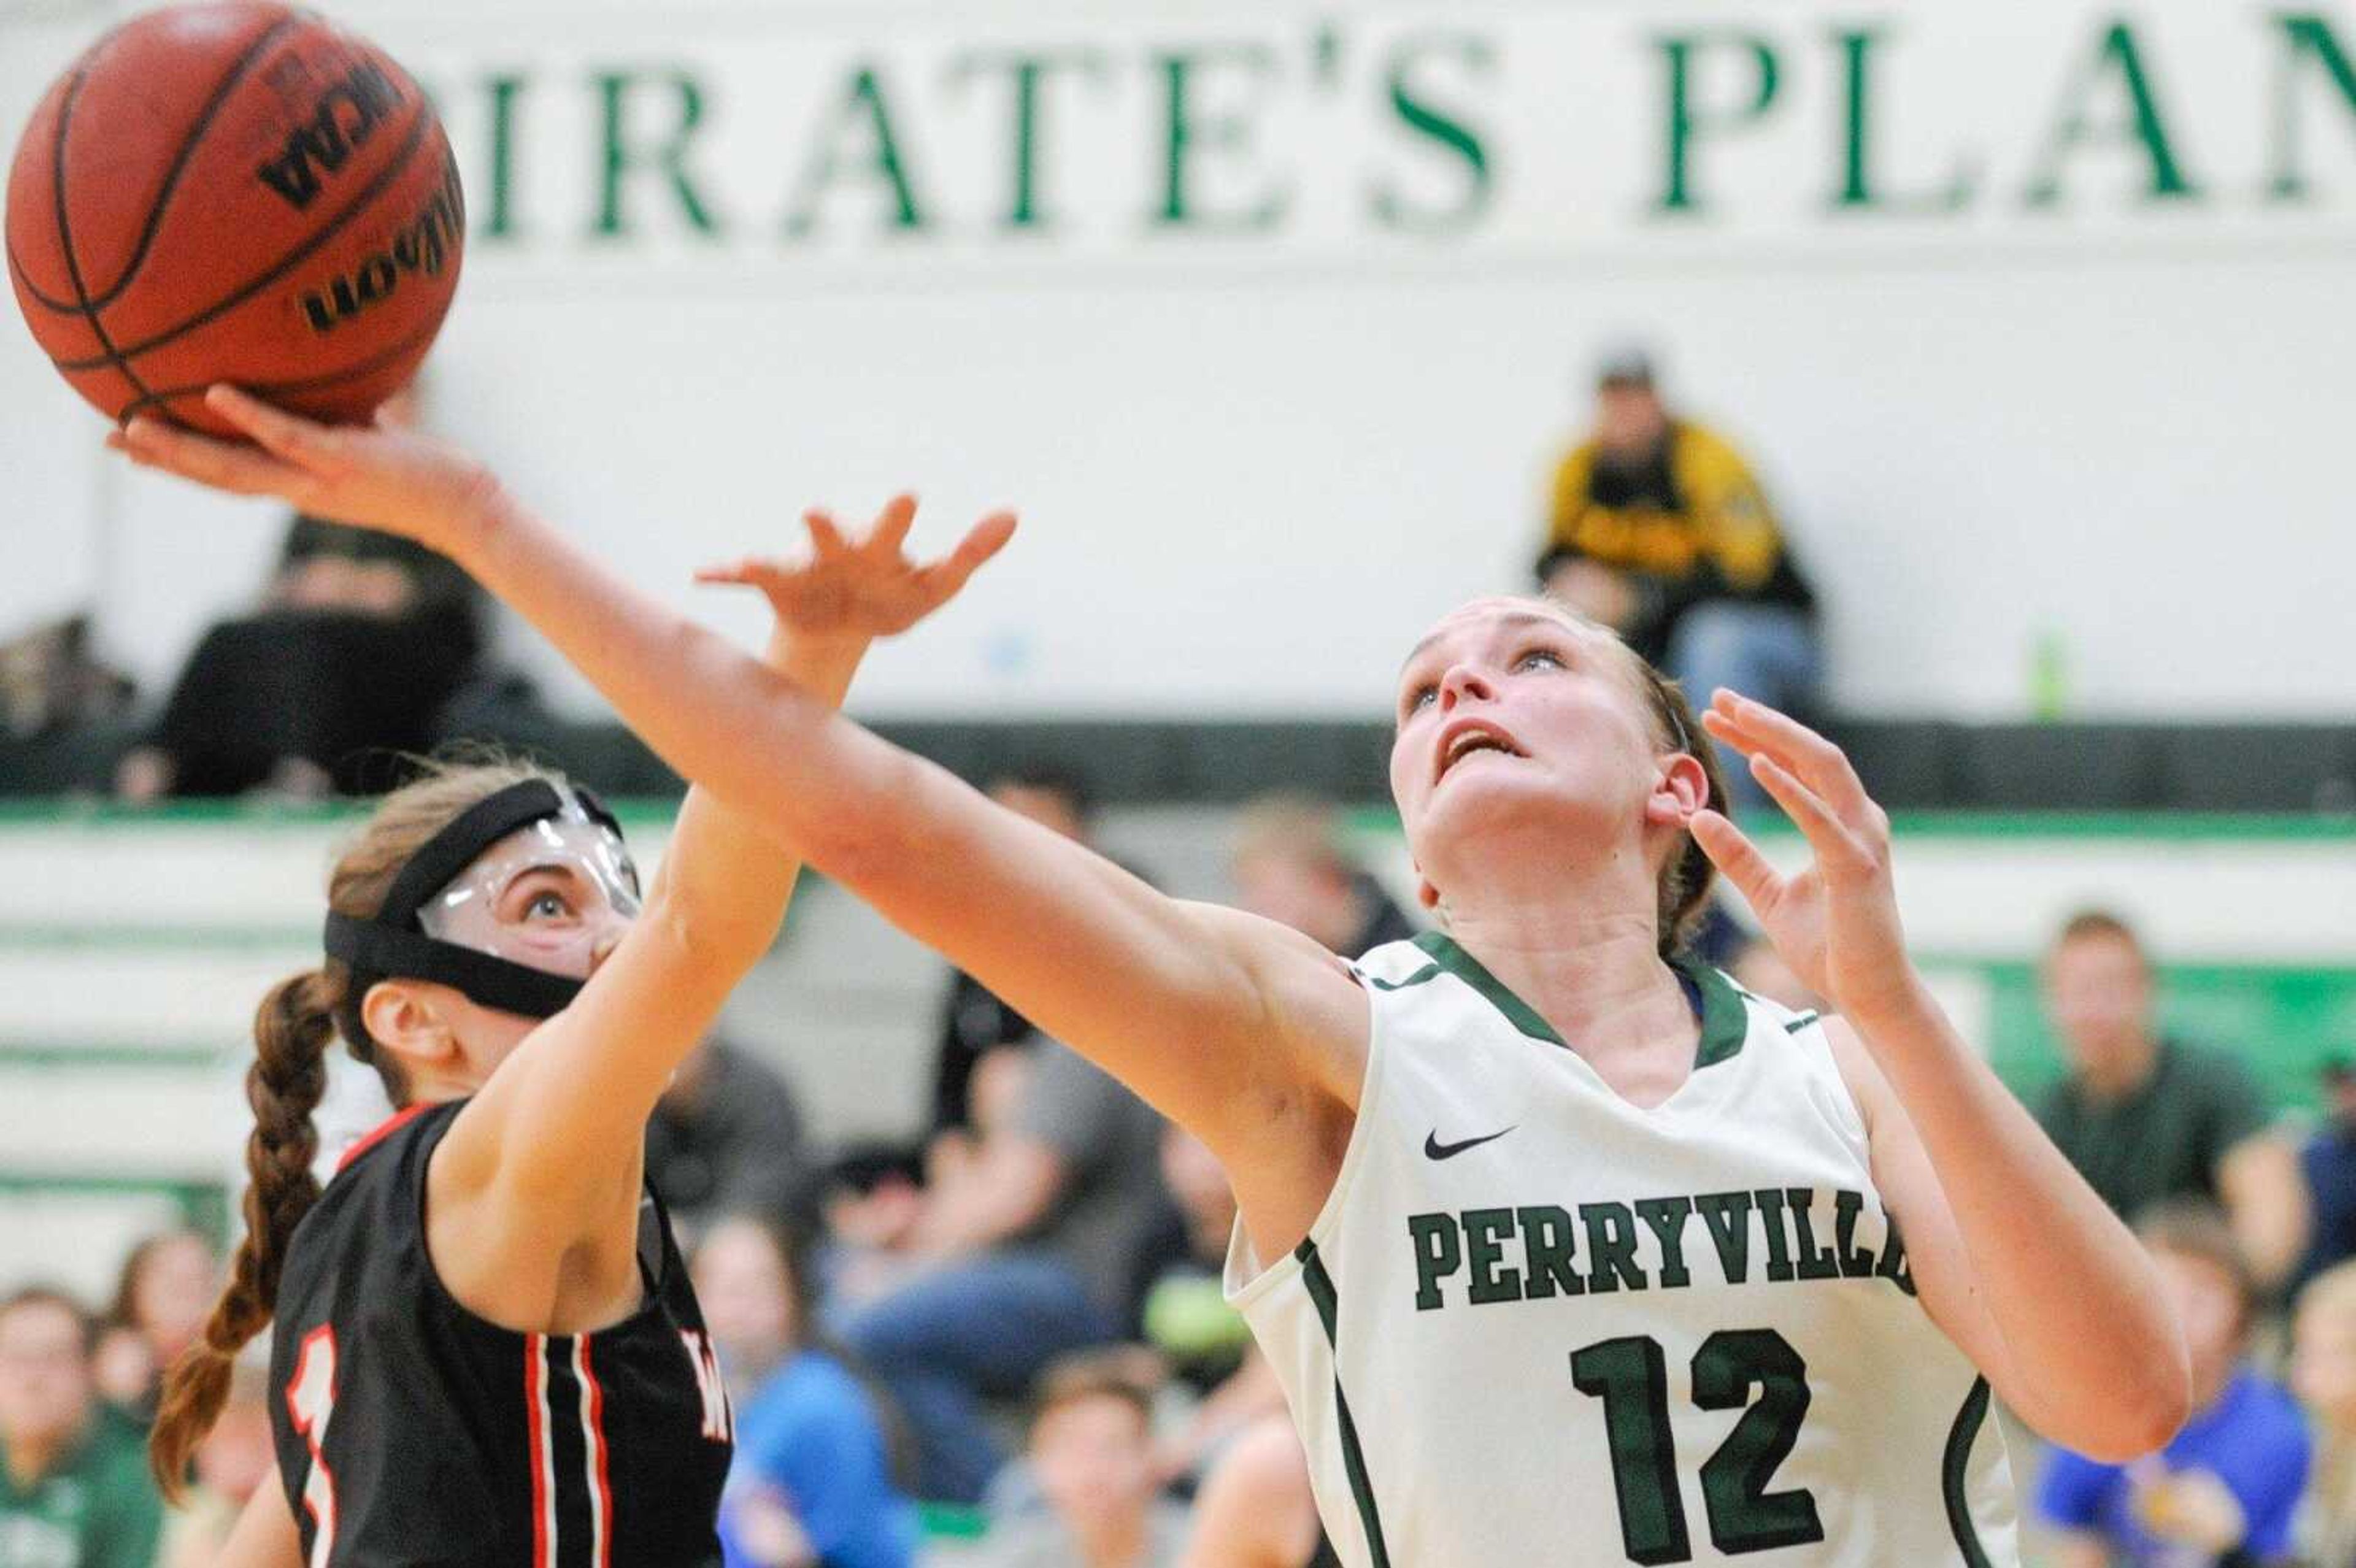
x: 1680, y: 789
x: 1425, y: 893
x: 402, y: 1018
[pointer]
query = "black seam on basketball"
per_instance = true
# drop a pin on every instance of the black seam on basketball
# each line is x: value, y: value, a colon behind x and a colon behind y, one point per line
x: 25, y: 281
x: 394, y: 169
x: 237, y: 73
x: 67, y: 307
x: 367, y: 366
x: 65, y: 239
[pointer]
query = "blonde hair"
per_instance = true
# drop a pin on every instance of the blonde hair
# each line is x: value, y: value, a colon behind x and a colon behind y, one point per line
x: 2332, y: 1483
x: 299, y: 1018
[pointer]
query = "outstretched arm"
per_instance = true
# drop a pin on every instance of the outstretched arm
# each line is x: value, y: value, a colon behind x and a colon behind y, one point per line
x: 1230, y: 1025
x: 2015, y: 1256
x: 545, y: 1160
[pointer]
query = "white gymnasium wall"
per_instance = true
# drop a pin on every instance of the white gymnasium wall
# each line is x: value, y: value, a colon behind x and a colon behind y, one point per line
x: 1259, y: 447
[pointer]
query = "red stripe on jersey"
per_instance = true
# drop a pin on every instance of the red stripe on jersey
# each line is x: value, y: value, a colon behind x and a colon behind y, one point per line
x: 381, y: 1131
x: 601, y: 1493
x: 535, y: 1395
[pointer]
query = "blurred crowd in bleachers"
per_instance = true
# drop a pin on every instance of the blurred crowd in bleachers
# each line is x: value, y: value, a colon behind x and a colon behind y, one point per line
x: 1003, y: 1340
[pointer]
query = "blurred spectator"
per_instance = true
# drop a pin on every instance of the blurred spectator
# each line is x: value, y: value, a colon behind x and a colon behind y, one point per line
x: 811, y: 1482
x: 360, y: 641
x: 1184, y: 1313
x: 233, y: 1461
x: 51, y: 679
x: 161, y: 1299
x: 1255, y: 1509
x: 974, y: 1022
x: 1292, y: 867
x: 2323, y: 1375
x: 727, y: 1135
x: 2329, y: 1163
x: 2146, y: 1118
x: 2227, y: 1487
x: 1758, y: 968
x: 1092, y: 1451
x: 1659, y: 531
x: 74, y: 1490
x: 874, y: 1198
x: 1027, y: 1246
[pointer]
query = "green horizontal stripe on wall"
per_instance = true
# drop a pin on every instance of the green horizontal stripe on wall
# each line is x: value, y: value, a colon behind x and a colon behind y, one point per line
x: 115, y: 1056
x: 17, y: 1181
x: 203, y: 1204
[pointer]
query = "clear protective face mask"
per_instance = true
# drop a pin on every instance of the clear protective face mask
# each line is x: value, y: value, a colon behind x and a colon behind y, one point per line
x: 549, y: 896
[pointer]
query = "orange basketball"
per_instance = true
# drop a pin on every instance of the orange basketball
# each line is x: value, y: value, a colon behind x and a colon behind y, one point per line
x: 234, y: 192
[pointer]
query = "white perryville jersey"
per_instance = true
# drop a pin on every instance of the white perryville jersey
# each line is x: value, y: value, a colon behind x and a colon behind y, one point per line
x: 1534, y: 1323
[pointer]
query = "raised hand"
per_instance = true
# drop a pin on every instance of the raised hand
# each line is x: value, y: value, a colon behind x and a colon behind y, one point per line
x: 868, y: 587
x: 1836, y: 923
x: 373, y: 476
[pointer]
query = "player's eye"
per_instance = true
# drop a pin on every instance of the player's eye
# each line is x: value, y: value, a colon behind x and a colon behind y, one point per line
x: 1540, y: 658
x: 1420, y: 697
x: 548, y: 905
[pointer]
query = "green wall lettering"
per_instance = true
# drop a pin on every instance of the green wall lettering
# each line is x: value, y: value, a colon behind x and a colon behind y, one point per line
x: 864, y: 106
x: 618, y: 157
x: 2117, y: 55
x: 1443, y: 127
x: 2306, y: 38
x: 1027, y: 74
x: 1689, y: 124
x: 1859, y: 191
x: 1190, y: 130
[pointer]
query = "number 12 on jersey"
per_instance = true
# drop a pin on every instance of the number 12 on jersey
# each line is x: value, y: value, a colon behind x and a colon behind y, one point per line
x: 1630, y: 1375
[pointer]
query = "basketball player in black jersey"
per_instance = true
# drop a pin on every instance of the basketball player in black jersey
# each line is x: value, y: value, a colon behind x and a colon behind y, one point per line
x: 487, y: 1350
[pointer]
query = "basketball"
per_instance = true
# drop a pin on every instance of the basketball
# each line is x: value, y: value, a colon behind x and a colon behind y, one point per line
x: 234, y: 192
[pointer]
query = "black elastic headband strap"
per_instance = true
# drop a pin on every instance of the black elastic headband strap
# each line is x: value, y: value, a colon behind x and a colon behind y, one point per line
x: 394, y: 945
x: 440, y: 857
x: 497, y: 982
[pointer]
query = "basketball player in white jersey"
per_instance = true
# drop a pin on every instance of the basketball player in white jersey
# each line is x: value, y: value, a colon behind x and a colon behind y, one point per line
x: 1566, y: 1250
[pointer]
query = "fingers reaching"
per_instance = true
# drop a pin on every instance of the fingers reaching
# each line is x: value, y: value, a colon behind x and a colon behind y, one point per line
x: 1733, y: 853
x: 289, y: 436
x: 240, y: 470
x: 1818, y: 823
x: 984, y: 539
x: 891, y: 525
x: 826, y: 538
x: 1756, y: 729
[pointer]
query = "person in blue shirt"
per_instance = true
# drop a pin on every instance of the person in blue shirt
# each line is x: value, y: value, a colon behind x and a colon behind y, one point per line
x: 812, y: 1484
x: 2226, y: 1489
x: 2329, y: 1163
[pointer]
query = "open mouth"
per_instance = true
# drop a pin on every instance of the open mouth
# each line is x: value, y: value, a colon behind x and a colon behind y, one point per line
x: 1469, y: 740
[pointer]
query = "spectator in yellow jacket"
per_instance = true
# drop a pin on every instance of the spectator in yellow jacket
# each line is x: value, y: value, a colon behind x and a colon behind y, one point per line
x: 1659, y: 531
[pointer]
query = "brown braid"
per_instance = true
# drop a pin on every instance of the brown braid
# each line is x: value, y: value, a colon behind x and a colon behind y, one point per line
x: 296, y: 1023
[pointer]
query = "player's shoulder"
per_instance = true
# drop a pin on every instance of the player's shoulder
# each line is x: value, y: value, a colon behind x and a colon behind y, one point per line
x: 1408, y: 961
x: 373, y: 1198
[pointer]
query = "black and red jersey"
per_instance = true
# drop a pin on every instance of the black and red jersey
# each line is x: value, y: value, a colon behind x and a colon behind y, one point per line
x: 411, y: 1432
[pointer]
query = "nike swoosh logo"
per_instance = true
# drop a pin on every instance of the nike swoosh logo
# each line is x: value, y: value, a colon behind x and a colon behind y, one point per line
x: 1434, y: 1149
